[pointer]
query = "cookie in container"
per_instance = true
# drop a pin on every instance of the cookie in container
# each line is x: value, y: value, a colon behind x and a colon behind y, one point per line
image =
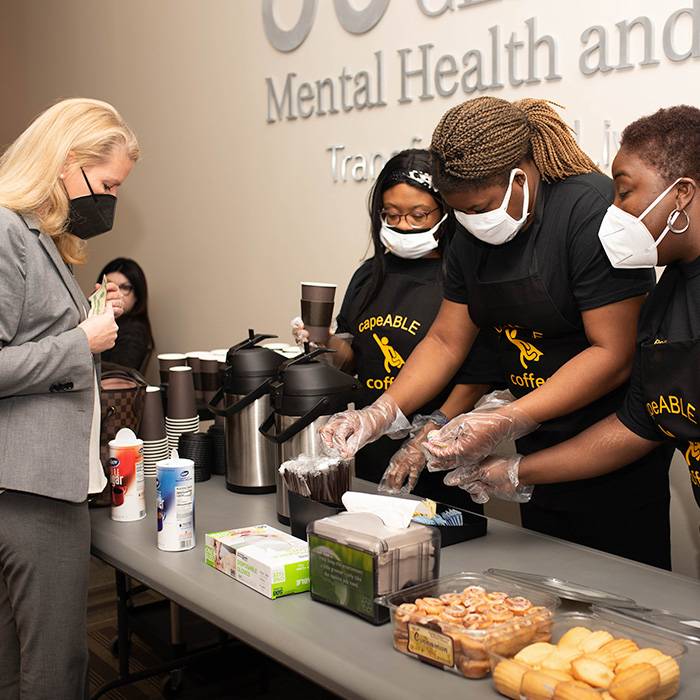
x: 450, y: 621
x: 591, y: 656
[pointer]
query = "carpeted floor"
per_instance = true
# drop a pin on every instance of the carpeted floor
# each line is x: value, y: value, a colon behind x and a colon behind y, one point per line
x: 234, y: 672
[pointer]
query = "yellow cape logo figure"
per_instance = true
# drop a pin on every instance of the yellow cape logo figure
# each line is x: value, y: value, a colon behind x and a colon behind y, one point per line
x: 527, y: 350
x: 692, y: 451
x: 666, y: 432
x: 391, y: 357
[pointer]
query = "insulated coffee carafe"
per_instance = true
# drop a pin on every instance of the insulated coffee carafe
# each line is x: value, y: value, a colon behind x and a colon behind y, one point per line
x: 251, y: 460
x: 305, y: 395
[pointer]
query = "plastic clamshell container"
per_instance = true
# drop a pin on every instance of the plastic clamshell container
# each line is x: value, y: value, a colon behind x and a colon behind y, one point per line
x: 459, y: 647
x: 657, y: 679
x: 354, y: 557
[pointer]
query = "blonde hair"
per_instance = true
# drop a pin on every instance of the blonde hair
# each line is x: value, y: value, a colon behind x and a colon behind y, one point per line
x: 486, y: 137
x: 30, y: 168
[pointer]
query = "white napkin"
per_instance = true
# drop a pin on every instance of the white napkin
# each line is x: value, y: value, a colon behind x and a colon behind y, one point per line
x: 395, y: 512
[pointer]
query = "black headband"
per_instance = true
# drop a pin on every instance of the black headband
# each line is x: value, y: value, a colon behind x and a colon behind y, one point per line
x: 415, y: 178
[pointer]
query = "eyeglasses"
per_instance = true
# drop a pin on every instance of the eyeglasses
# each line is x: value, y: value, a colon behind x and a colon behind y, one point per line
x: 415, y: 219
x: 126, y: 289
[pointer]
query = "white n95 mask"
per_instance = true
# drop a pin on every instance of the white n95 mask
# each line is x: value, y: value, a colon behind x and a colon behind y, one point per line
x: 497, y: 226
x: 626, y: 240
x: 410, y: 246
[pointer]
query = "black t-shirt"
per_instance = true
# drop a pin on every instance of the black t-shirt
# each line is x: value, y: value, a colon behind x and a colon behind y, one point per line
x: 577, y: 276
x: 481, y: 365
x: 681, y: 321
x: 403, y: 311
x: 570, y: 257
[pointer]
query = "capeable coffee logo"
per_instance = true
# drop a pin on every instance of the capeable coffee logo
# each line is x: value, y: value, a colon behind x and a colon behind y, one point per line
x: 352, y: 20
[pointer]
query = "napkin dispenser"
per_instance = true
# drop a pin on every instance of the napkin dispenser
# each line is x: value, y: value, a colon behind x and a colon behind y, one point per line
x: 355, y: 557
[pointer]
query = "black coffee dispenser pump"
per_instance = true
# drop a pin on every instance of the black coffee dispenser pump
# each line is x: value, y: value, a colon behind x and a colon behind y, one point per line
x: 251, y: 461
x: 304, y: 396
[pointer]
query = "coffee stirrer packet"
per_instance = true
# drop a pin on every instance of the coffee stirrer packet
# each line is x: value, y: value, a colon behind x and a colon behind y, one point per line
x: 98, y: 301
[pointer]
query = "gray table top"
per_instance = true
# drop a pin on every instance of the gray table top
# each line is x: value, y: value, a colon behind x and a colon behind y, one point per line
x: 336, y: 649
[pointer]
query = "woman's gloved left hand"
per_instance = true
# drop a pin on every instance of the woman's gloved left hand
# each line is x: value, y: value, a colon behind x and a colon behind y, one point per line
x: 347, y: 432
x: 407, y: 462
x: 468, y: 439
x: 496, y: 476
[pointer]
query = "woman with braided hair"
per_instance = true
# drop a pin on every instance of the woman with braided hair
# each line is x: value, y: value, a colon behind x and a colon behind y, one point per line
x: 654, y: 221
x: 527, y: 261
x: 411, y: 231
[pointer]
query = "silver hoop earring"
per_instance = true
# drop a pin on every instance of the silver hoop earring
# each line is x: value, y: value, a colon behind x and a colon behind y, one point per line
x: 672, y: 220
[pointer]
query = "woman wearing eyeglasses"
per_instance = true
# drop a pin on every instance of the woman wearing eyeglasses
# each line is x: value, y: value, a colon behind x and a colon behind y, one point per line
x: 135, y: 340
x: 390, y: 303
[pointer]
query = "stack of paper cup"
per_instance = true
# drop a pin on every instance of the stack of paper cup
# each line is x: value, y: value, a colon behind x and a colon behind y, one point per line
x: 152, y: 431
x: 193, y: 362
x: 182, y: 416
x: 209, y: 368
x: 317, y: 309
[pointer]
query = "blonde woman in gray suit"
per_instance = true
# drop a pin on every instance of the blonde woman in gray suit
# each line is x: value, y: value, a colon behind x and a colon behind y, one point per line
x: 57, y: 188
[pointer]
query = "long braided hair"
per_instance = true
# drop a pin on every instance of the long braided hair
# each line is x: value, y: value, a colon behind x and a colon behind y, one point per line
x: 477, y: 144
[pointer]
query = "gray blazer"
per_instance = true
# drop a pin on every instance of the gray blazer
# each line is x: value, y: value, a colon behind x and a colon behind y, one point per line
x: 47, y: 371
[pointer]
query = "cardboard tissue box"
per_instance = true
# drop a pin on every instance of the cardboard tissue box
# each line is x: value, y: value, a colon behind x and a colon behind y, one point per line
x: 267, y: 560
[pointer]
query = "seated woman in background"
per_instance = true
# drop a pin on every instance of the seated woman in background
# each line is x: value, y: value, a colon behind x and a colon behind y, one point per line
x: 135, y: 340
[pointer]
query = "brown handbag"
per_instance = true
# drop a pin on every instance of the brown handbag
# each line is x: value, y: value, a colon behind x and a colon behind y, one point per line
x: 122, y: 394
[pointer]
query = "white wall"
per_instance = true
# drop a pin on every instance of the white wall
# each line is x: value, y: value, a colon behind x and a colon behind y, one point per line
x: 227, y: 212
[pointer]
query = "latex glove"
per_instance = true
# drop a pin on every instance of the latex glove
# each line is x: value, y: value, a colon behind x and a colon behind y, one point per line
x: 408, y: 462
x: 334, y: 359
x: 301, y: 335
x: 468, y: 439
x: 496, y: 476
x: 347, y: 432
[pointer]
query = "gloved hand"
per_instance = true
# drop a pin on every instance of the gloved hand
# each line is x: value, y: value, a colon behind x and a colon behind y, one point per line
x: 496, y: 476
x: 301, y: 335
x: 347, y: 432
x: 407, y: 463
x: 468, y: 439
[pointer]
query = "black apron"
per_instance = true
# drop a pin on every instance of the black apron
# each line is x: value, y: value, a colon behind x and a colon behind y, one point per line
x: 671, y: 389
x: 407, y: 307
x: 535, y: 340
x: 384, y: 335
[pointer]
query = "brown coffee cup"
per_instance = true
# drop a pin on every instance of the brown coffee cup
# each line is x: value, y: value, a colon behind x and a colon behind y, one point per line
x: 318, y: 291
x: 168, y: 360
x: 193, y: 362
x: 152, y: 426
x: 181, y: 399
x: 317, y: 317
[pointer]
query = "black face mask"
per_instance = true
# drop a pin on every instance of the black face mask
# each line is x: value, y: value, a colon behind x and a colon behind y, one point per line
x: 92, y: 214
